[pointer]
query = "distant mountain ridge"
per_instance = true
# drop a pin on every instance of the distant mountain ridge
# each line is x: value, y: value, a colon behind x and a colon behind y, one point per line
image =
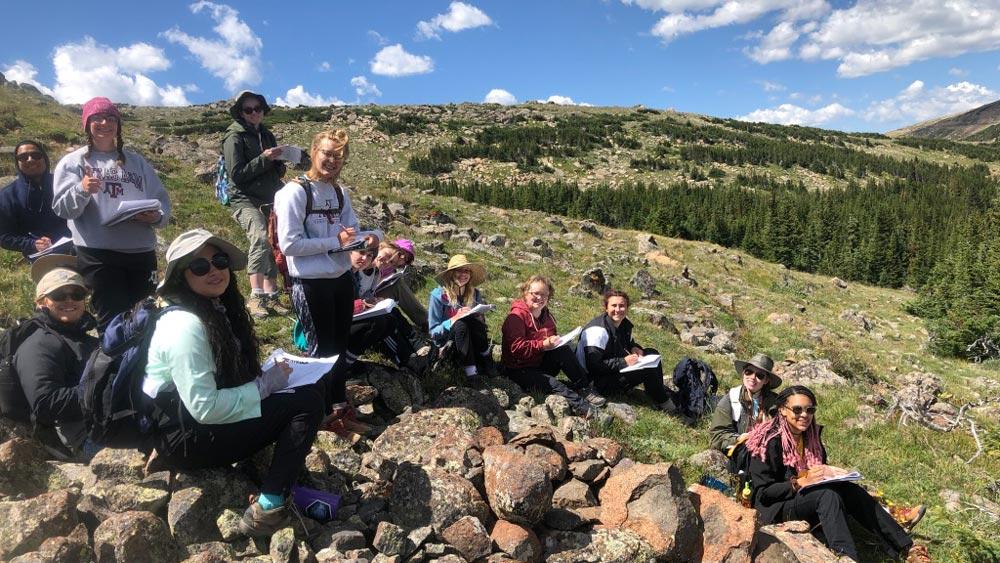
x: 981, y: 124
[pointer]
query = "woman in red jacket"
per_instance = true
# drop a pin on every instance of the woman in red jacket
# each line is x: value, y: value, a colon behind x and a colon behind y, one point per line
x: 531, y: 353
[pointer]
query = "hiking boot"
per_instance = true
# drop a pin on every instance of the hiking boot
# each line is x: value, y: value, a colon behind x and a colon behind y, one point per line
x: 917, y: 554
x: 257, y: 305
x: 592, y: 396
x: 667, y: 406
x: 908, y: 517
x: 260, y: 523
x: 273, y: 304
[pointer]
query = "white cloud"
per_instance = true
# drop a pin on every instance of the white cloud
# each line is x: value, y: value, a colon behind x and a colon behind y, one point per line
x: 395, y: 61
x: 865, y: 36
x: 878, y: 35
x: 299, y: 97
x: 377, y: 37
x: 771, y: 86
x: 24, y: 72
x: 680, y: 21
x: 324, y: 66
x: 86, y: 69
x: 460, y: 16
x: 363, y: 87
x: 776, y: 45
x: 917, y: 103
x: 564, y: 101
x: 234, y: 56
x: 958, y: 72
x: 498, y: 96
x: 790, y: 114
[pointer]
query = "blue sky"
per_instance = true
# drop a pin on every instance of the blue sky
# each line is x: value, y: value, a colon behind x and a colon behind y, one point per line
x: 871, y: 65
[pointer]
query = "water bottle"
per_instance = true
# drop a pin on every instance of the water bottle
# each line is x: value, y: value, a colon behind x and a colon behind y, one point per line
x: 713, y: 483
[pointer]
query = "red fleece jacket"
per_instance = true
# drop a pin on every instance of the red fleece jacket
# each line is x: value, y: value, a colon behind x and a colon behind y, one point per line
x: 523, y: 336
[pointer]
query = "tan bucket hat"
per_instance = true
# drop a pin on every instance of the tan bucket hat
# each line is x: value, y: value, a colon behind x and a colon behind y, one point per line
x: 460, y: 261
x: 189, y: 242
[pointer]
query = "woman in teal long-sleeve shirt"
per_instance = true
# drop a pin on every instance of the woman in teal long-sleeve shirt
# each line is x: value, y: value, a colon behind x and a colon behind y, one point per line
x: 214, y: 405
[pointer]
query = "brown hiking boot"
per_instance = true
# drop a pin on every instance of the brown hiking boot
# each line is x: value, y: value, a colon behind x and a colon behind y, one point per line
x: 257, y: 306
x: 908, y: 517
x: 260, y: 523
x: 273, y: 304
x: 918, y: 554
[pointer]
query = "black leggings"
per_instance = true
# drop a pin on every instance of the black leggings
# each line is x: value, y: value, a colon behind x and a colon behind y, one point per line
x: 287, y: 420
x: 471, y: 341
x: 543, y: 378
x: 118, y: 280
x: 325, y: 308
x: 829, y: 506
x: 650, y: 378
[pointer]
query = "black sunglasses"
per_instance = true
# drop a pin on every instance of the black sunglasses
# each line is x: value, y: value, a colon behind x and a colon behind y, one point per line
x: 255, y: 109
x: 755, y: 373
x: 797, y: 410
x: 201, y: 266
x: 33, y: 155
x: 63, y: 295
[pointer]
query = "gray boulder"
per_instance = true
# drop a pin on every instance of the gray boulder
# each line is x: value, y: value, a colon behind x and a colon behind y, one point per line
x: 437, y: 498
x: 134, y: 536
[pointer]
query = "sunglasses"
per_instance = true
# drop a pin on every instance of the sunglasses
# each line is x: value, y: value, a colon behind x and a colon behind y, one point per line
x: 64, y: 294
x: 255, y: 109
x: 798, y: 410
x: 755, y: 373
x: 201, y: 266
x: 33, y: 155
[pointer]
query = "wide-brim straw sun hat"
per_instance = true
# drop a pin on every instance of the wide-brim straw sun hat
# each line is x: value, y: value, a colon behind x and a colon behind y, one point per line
x: 461, y: 261
x: 188, y: 243
x: 763, y: 363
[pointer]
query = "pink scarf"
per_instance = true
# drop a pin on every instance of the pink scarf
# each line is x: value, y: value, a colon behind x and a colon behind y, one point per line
x: 760, y: 436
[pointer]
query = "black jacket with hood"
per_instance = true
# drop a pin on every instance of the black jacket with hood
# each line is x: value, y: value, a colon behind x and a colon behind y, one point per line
x: 49, y: 364
x: 26, y: 210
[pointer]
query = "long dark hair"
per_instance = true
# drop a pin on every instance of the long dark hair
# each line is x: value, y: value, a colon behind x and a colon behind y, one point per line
x: 229, y: 326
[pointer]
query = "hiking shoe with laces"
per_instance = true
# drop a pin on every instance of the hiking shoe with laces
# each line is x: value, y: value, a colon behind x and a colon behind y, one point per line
x: 908, y: 517
x: 260, y: 523
x: 272, y: 303
x: 917, y: 554
x: 257, y: 305
x: 593, y: 397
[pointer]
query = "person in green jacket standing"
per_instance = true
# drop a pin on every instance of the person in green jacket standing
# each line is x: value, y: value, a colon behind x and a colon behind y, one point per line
x: 255, y: 171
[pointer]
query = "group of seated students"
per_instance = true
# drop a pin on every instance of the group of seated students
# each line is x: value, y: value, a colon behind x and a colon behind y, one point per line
x: 215, y: 405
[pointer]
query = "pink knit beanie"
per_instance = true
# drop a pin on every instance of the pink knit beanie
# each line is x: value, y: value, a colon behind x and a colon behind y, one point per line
x: 99, y: 105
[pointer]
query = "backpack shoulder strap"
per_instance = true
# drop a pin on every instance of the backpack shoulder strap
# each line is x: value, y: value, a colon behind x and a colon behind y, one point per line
x: 306, y: 184
x: 734, y: 401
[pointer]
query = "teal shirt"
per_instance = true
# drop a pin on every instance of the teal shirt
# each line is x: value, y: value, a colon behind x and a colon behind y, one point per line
x: 180, y: 357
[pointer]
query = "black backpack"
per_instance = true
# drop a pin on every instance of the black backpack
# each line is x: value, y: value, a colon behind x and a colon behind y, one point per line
x: 696, y: 387
x: 115, y: 409
x: 13, y: 402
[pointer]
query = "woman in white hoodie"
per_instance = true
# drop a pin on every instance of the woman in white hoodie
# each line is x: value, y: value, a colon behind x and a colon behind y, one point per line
x: 315, y: 223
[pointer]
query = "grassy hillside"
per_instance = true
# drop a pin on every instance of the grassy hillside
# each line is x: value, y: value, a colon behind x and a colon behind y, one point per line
x: 770, y: 308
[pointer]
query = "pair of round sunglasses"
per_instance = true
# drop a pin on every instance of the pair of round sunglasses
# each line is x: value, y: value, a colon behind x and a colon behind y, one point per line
x: 201, y: 266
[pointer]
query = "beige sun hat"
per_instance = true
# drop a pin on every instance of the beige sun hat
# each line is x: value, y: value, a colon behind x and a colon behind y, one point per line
x: 192, y: 241
x: 762, y: 362
x: 57, y: 278
x: 460, y: 261
x: 49, y: 262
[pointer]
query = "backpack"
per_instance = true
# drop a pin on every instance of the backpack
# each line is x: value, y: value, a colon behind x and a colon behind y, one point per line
x: 115, y: 409
x: 272, y: 225
x: 13, y: 402
x: 222, y: 182
x: 696, y: 386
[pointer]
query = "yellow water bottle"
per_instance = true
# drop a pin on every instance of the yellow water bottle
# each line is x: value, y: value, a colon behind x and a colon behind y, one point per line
x: 745, y: 495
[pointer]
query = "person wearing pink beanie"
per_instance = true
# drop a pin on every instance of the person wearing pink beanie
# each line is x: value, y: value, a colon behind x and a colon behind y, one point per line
x: 92, y: 186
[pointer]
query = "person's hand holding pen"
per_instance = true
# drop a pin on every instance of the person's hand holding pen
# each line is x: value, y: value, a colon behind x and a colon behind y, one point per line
x: 346, y: 235
x: 41, y: 243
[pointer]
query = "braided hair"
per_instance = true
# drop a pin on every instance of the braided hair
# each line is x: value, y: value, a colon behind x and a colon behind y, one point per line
x: 762, y: 434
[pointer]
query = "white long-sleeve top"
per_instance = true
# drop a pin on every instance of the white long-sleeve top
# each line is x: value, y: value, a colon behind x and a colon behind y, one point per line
x: 306, y: 242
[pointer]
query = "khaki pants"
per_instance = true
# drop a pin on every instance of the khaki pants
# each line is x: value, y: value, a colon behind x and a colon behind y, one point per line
x: 260, y: 259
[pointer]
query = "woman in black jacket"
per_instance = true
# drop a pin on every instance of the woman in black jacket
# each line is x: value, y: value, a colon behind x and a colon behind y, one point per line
x: 787, y: 468
x: 49, y: 361
x: 606, y: 347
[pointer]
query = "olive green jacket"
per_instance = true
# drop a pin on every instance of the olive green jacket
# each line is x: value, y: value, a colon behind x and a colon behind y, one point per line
x: 252, y: 177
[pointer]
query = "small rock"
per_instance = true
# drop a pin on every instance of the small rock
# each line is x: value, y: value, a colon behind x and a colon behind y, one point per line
x: 517, y: 541
x: 469, y: 537
x: 573, y: 494
x: 134, y: 536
